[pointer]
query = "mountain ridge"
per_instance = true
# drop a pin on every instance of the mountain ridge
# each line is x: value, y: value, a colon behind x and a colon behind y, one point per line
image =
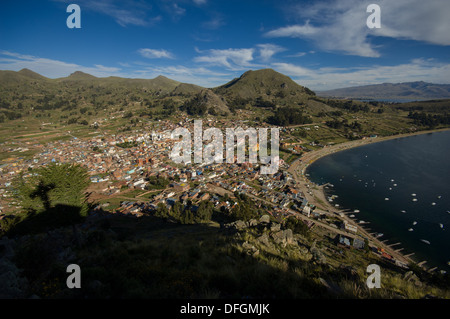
x: 404, y: 90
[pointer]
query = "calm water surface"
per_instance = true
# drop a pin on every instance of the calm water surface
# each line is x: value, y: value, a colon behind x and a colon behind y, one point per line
x: 401, y: 186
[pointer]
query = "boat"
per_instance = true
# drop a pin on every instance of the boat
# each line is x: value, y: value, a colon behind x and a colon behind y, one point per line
x: 425, y: 241
x: 352, y: 216
x: 439, y: 196
x: 386, y: 198
x: 395, y: 185
x: 414, y: 200
x: 356, y: 211
x: 403, y: 211
x: 433, y: 203
x: 413, y: 194
x: 410, y: 229
x: 441, y: 225
x: 414, y: 223
x: 379, y: 235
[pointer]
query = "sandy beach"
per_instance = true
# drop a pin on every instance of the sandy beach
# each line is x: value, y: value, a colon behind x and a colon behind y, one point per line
x: 316, y: 196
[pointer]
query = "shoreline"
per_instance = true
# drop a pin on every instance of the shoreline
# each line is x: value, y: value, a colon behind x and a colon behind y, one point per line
x: 316, y: 195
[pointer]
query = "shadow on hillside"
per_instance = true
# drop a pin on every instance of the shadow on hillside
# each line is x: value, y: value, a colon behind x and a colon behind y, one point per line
x: 33, y: 222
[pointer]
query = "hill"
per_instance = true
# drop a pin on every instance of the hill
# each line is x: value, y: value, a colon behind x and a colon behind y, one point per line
x: 265, y: 83
x: 401, y: 91
x: 33, y: 75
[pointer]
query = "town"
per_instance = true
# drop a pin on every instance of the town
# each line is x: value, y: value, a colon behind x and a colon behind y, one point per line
x: 132, y: 174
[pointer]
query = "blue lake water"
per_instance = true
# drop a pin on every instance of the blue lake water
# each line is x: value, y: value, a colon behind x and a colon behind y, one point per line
x: 381, y: 180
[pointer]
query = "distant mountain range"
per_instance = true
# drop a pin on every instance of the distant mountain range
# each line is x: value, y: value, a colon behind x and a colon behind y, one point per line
x: 399, y: 91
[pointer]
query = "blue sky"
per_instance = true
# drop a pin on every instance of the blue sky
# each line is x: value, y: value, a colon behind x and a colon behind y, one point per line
x: 321, y: 44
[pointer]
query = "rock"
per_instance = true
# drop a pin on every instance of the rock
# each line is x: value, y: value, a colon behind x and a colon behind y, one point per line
x: 265, y: 219
x: 285, y: 237
x: 288, y: 236
x: 275, y: 227
x: 252, y: 222
x: 318, y: 256
x: 238, y: 225
x: 411, y: 277
x: 264, y: 239
x: 305, y: 254
x: 250, y: 249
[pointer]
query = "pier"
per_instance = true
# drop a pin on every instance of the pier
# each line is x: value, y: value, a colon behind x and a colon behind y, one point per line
x: 422, y: 263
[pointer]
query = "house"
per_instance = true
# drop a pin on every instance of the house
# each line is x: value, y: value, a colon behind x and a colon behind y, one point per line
x: 344, y: 241
x: 351, y: 228
x: 358, y: 243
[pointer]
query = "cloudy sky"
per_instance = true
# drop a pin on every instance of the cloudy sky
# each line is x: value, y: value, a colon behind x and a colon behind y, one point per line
x: 320, y: 44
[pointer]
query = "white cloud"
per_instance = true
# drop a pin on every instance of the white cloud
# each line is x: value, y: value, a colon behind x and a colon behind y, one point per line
x: 51, y: 68
x: 266, y: 51
x: 341, y: 25
x: 233, y: 59
x: 155, y: 54
x: 332, y: 78
x: 215, y: 23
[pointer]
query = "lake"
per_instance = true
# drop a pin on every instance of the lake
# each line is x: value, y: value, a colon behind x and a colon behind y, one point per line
x: 401, y: 187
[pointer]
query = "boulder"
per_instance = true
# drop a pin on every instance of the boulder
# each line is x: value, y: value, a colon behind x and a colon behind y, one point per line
x: 264, y: 239
x: 250, y: 249
x: 252, y: 222
x: 275, y: 227
x: 265, y: 219
x: 411, y: 277
x: 285, y: 237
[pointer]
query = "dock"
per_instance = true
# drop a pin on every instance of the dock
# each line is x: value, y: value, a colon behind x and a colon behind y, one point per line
x: 392, y: 245
x: 422, y: 263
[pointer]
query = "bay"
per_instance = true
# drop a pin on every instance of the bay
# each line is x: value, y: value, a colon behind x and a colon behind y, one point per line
x: 401, y: 187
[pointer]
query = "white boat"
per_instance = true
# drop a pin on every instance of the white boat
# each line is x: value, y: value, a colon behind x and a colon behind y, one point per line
x: 425, y: 241
x: 379, y: 235
x: 413, y: 194
x: 395, y: 184
x: 433, y: 203
x: 441, y: 225
x: 351, y: 216
x: 392, y: 180
x: 386, y: 198
x: 439, y: 196
x: 410, y: 229
x: 414, y: 200
x: 403, y: 211
x: 390, y: 188
x: 414, y: 223
x: 356, y: 211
